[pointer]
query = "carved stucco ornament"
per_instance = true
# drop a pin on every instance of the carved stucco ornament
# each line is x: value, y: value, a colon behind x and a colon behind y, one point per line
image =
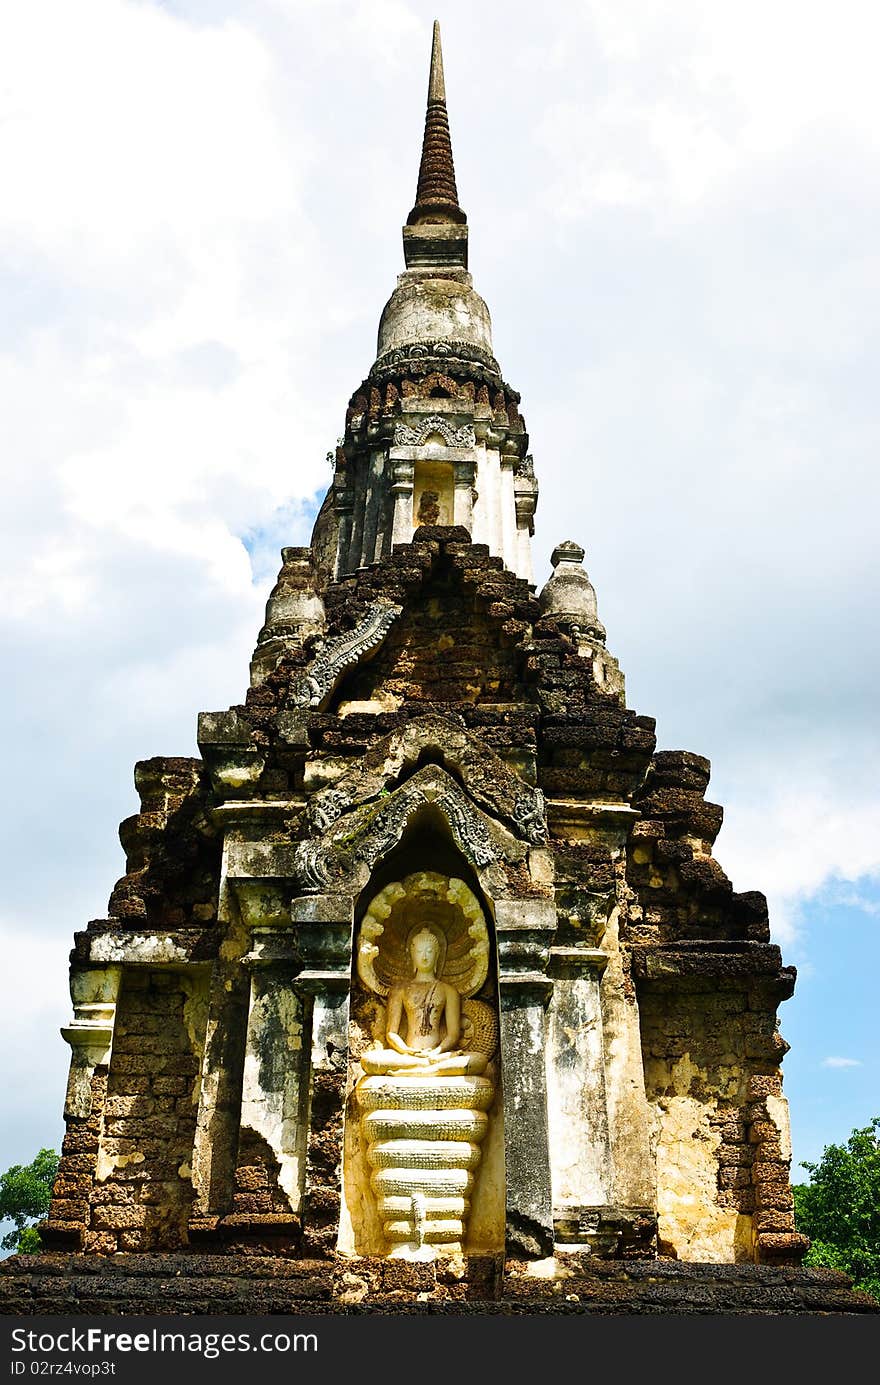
x: 325, y: 808
x: 526, y: 467
x: 501, y: 794
x: 419, y: 351
x: 405, y: 436
x: 531, y: 817
x: 429, y: 786
x: 314, y: 867
x: 315, y: 685
x: 369, y: 833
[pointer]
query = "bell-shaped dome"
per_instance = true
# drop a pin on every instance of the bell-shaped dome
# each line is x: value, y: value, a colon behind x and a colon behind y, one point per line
x: 427, y: 309
x: 570, y: 596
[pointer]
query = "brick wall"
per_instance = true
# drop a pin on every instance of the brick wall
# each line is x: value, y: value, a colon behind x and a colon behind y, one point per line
x: 143, y: 1190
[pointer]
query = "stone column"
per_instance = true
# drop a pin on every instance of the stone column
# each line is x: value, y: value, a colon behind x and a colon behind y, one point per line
x: 482, y: 509
x: 635, y: 1176
x: 525, y: 514
x: 373, y: 505
x: 274, y: 1098
x: 402, y: 526
x: 631, y: 1181
x: 94, y: 993
x: 324, y: 926
x: 507, y: 516
x: 524, y: 931
x: 580, y: 1150
x: 217, y: 1121
x: 343, y: 503
x: 463, y: 500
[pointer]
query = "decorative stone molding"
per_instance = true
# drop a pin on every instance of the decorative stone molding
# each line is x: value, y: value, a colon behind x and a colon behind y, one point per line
x: 90, y: 1034
x: 405, y: 436
x: 576, y: 961
x: 428, y: 350
x: 423, y: 789
x: 234, y: 760
x: 366, y: 835
x: 525, y: 929
x: 325, y: 807
x: 493, y: 787
x: 402, y: 475
x: 611, y: 1233
x: 530, y: 816
x: 343, y: 652
x: 314, y: 867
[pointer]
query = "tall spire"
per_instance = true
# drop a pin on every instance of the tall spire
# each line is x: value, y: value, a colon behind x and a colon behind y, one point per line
x: 436, y: 195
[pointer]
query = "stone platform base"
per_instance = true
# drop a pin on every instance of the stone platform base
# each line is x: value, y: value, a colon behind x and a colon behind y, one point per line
x: 59, y: 1283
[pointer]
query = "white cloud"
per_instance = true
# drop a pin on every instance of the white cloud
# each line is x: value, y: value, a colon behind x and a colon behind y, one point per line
x: 857, y: 899
x: 798, y: 838
x: 682, y: 103
x: 841, y: 1062
x: 34, y: 1003
x: 153, y: 201
x: 26, y: 956
x: 133, y: 131
x: 163, y: 287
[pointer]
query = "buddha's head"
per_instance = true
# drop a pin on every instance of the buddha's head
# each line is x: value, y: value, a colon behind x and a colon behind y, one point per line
x: 424, y: 949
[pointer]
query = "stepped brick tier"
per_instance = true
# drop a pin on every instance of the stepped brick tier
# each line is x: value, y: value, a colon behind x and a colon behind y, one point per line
x: 422, y: 984
x: 93, y: 1285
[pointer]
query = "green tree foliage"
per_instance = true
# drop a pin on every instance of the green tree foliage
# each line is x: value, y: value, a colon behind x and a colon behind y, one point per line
x: 839, y: 1209
x: 25, y: 1190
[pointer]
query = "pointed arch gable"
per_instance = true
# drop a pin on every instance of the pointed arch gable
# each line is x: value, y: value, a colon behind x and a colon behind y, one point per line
x: 358, y: 839
x: 486, y: 780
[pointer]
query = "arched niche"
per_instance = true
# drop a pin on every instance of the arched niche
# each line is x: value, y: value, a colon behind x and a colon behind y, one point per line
x: 424, y: 878
x: 433, y: 488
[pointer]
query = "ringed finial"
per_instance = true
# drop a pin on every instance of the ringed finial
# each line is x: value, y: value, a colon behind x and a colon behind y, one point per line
x: 436, y: 194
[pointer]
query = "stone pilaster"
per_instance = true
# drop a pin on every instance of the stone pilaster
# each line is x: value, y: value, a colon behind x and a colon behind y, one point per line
x: 507, y: 512
x: 402, y: 473
x: 94, y: 993
x: 343, y: 504
x: 577, y: 1102
x: 635, y: 1173
x: 274, y: 1100
x: 324, y: 932
x: 217, y: 1121
x: 463, y: 505
x: 524, y: 930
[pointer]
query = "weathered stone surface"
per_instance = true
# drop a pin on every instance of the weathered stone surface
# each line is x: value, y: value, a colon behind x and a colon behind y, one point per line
x: 259, y: 1284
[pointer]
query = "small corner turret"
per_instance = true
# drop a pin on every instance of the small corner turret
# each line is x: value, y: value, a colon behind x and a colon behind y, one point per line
x: 569, y: 599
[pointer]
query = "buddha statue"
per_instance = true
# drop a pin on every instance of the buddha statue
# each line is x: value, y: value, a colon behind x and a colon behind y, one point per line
x: 432, y: 1010
x: 427, y: 1085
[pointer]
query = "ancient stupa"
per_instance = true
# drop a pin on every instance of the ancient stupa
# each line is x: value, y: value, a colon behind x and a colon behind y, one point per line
x: 422, y: 980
